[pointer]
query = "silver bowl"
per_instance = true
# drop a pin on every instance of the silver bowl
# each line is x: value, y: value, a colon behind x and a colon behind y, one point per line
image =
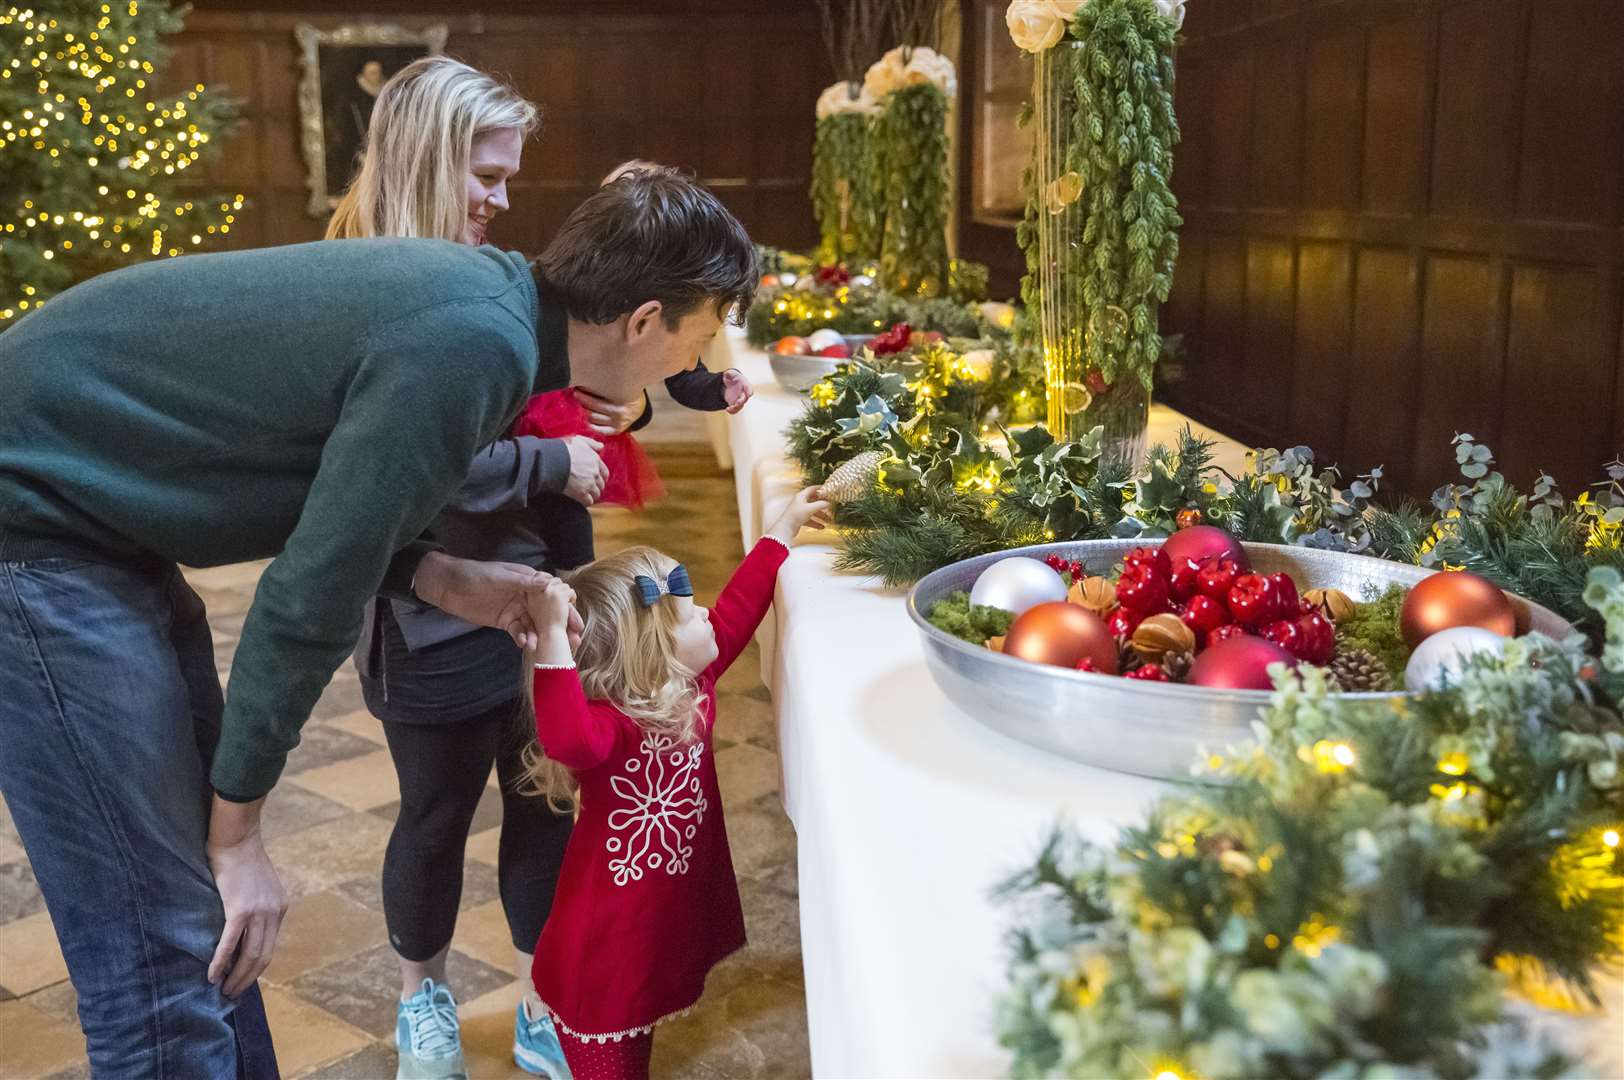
x: 1149, y: 729
x: 799, y: 374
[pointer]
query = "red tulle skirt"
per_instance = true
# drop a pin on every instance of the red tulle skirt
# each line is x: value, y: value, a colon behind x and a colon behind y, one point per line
x: 633, y: 481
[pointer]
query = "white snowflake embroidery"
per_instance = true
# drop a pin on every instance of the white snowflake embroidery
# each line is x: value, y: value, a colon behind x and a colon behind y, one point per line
x: 666, y: 807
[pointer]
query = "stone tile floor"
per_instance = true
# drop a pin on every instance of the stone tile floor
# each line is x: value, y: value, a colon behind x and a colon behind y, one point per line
x: 331, y: 990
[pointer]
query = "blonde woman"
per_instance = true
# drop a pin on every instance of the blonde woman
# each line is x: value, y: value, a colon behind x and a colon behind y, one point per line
x: 444, y: 142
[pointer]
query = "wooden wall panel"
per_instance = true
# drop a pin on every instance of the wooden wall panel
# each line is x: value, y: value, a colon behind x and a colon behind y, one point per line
x: 1332, y: 123
x: 1395, y: 150
x: 706, y: 85
x: 1460, y: 374
x: 1556, y: 368
x: 1444, y: 180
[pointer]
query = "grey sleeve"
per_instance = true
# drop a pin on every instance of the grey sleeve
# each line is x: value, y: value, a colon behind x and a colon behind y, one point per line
x: 506, y: 474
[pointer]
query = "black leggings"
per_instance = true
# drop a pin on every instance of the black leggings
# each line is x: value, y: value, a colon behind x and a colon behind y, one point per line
x: 442, y: 770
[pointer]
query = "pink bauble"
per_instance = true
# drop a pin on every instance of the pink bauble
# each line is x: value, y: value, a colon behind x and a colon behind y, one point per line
x: 1239, y: 664
x: 1200, y: 542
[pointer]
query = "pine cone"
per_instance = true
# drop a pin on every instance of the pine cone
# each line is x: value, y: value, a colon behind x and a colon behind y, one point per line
x: 1358, y: 671
x: 1128, y: 658
x: 1177, y: 665
x: 854, y: 479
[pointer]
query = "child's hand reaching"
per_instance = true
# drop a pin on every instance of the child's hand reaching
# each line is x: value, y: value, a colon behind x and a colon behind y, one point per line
x: 736, y: 390
x: 808, y: 508
x: 552, y: 609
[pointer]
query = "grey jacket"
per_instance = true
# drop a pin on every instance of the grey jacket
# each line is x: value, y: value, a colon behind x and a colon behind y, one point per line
x: 488, y: 519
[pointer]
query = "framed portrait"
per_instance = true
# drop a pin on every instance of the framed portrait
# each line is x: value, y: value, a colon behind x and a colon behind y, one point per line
x: 343, y: 71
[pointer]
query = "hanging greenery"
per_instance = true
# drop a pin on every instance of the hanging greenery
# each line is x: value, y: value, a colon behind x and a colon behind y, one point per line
x: 1358, y: 899
x: 845, y: 181
x: 1100, y: 230
x: 913, y: 86
x: 845, y: 178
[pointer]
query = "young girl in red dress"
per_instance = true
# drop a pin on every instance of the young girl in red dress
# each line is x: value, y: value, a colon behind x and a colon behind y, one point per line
x: 647, y: 903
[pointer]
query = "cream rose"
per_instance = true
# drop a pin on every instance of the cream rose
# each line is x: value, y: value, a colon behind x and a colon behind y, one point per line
x: 1172, y: 11
x: 884, y: 76
x: 1034, y: 25
x: 1067, y: 9
x: 838, y: 99
x: 930, y: 66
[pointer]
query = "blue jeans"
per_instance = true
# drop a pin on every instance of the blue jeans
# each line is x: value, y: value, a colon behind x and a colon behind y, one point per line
x: 109, y: 714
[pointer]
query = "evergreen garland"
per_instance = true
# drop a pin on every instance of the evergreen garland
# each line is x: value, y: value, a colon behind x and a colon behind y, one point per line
x: 1358, y: 898
x: 911, y: 152
x: 949, y: 494
x: 845, y: 189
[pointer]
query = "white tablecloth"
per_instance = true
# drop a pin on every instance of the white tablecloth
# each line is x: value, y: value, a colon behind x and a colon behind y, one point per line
x: 907, y: 812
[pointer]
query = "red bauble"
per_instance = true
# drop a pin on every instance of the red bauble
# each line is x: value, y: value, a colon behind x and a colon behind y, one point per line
x: 1318, y: 638
x: 1217, y: 576
x: 1252, y: 600
x: 1185, y: 581
x: 1200, y: 542
x: 1122, y: 622
x: 1286, y: 605
x: 835, y: 352
x: 1203, y: 614
x: 1226, y: 632
x: 1455, y: 598
x: 1142, y: 589
x: 1062, y: 634
x: 1239, y: 664
x: 1153, y: 559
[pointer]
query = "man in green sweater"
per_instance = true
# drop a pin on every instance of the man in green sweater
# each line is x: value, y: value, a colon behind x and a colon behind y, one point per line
x: 318, y: 404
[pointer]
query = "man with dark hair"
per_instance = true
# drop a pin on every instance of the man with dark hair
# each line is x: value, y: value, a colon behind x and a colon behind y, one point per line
x: 316, y: 403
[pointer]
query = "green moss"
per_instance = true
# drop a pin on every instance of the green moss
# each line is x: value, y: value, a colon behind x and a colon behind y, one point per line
x: 1374, y: 625
x: 975, y: 624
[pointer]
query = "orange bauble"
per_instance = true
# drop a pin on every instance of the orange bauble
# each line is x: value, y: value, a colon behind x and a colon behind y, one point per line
x: 792, y: 346
x: 1455, y: 598
x: 1062, y: 634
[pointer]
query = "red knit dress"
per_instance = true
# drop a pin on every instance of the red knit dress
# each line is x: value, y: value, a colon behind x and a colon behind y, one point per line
x: 647, y: 903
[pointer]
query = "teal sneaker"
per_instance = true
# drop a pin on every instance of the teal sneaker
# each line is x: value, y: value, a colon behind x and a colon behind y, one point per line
x: 535, y: 1046
x: 428, y: 1036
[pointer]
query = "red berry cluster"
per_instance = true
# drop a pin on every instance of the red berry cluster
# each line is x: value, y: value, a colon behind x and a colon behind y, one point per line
x: 1070, y: 569
x: 832, y: 275
x: 894, y: 340
x: 1217, y: 601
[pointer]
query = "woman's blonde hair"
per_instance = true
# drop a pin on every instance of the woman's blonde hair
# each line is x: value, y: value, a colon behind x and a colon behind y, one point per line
x: 627, y: 656
x: 413, y: 176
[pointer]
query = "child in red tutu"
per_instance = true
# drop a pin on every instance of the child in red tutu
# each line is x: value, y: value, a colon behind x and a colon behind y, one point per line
x: 632, y: 480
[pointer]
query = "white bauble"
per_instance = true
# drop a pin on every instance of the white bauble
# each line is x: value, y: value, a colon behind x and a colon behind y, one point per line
x: 1016, y: 584
x: 822, y: 339
x: 1445, y: 653
x: 862, y: 281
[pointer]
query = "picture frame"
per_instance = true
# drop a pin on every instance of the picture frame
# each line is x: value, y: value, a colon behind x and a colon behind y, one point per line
x: 343, y: 70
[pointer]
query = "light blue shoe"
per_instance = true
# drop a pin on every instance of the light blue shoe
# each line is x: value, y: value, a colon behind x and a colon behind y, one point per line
x: 535, y: 1046
x: 428, y: 1036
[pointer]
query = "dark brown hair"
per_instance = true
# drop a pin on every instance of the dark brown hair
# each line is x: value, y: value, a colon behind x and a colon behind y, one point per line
x: 652, y: 234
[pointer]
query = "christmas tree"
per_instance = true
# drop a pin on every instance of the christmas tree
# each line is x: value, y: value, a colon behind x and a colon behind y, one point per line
x: 93, y: 160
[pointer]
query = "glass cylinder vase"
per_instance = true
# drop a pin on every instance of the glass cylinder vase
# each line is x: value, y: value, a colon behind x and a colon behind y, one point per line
x: 844, y: 186
x: 1079, y: 398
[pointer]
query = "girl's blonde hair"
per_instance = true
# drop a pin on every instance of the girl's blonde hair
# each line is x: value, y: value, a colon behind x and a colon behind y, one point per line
x: 413, y: 176
x: 627, y: 656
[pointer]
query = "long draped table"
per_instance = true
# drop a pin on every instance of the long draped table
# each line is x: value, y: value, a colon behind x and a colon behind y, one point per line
x: 907, y: 812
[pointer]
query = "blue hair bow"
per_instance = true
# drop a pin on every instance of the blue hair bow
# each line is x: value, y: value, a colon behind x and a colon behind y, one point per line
x: 676, y: 584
